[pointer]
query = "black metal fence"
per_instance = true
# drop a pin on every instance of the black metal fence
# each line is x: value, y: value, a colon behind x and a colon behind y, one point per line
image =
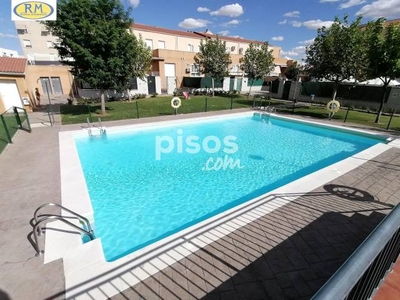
x: 359, y: 277
x: 10, y: 121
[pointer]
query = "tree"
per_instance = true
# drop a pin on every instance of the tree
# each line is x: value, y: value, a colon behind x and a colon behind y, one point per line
x: 257, y: 62
x: 337, y: 53
x: 213, y: 59
x: 383, y: 55
x: 96, y: 41
x: 293, y: 71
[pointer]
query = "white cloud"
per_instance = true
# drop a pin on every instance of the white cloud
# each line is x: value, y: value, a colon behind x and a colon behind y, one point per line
x: 277, y: 38
x: 224, y: 32
x: 307, y: 42
x: 237, y: 36
x: 203, y: 9
x: 381, y: 8
x: 282, y: 22
x: 296, y: 23
x: 292, y: 14
x: 315, y: 24
x: 231, y: 23
x: 231, y: 10
x: 134, y: 3
x: 299, y: 52
x: 191, y: 23
x: 351, y: 3
x: 8, y: 35
x: 324, y: 1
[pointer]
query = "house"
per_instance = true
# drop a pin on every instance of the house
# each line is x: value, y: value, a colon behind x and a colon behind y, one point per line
x: 12, y: 82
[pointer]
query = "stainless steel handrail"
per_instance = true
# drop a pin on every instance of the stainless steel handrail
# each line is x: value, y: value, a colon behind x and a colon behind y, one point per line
x: 342, y: 282
x: 36, y: 227
x: 82, y: 218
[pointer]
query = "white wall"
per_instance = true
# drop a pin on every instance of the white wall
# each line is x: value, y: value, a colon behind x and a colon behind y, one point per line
x: 142, y: 89
x: 246, y: 88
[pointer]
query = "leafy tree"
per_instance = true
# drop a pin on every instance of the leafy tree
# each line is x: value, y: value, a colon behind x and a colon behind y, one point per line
x: 257, y: 62
x: 337, y: 53
x: 293, y: 71
x: 96, y: 41
x: 213, y: 59
x: 383, y: 55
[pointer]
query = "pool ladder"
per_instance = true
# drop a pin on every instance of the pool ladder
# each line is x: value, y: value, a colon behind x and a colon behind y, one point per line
x: 91, y: 126
x: 270, y: 109
x: 43, y: 218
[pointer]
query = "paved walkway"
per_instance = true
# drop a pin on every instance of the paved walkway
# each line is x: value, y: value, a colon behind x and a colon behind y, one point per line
x: 287, y: 254
x: 291, y: 252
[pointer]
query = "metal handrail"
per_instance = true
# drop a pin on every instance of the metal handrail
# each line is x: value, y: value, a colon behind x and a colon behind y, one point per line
x: 36, y: 227
x: 344, y: 280
x: 82, y: 218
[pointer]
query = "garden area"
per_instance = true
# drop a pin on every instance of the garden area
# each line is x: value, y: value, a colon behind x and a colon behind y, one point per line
x: 161, y: 106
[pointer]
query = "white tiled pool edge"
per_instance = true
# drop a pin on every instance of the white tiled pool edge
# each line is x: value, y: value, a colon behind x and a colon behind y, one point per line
x: 89, y: 276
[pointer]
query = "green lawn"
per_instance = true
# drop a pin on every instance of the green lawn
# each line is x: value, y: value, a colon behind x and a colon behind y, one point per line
x: 358, y: 117
x: 151, y: 107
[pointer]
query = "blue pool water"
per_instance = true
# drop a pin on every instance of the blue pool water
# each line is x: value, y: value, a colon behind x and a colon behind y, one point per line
x: 140, y: 195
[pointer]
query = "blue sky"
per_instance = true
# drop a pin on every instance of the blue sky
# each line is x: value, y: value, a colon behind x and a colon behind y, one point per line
x: 290, y: 24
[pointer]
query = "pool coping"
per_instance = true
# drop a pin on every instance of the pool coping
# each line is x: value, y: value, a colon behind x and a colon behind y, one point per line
x: 85, y: 266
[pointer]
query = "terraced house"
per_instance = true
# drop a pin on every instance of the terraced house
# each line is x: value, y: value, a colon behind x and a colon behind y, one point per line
x: 173, y: 53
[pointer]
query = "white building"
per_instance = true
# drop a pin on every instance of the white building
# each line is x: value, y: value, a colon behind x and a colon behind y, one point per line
x: 8, y: 52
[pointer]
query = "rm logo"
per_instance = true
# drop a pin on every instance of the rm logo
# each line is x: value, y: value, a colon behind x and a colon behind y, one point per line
x: 33, y: 10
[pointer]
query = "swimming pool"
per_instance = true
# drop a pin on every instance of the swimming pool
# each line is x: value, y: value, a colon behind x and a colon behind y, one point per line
x: 147, y: 184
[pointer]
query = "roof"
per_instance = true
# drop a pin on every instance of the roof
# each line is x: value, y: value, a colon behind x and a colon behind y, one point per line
x: 197, y: 35
x: 12, y: 65
x: 164, y: 30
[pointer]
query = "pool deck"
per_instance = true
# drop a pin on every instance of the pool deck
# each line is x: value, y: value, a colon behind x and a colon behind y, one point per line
x: 286, y: 254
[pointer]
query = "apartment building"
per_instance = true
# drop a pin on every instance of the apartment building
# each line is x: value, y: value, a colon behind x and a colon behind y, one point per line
x: 37, y: 42
x: 173, y: 50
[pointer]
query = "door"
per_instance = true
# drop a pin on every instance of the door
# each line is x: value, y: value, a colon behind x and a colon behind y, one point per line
x: 46, y: 88
x: 56, y: 85
x: 232, y: 84
x: 169, y: 73
x: 9, y: 94
x: 151, y: 84
x: 286, y: 90
x: 239, y: 84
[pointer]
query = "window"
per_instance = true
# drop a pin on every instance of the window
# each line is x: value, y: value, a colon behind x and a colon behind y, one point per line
x: 22, y: 31
x: 45, y: 33
x: 194, y: 70
x: 241, y: 51
x: 27, y: 43
x: 133, y: 84
x: 149, y: 43
x: 190, y: 48
x: 161, y: 44
x: 50, y: 44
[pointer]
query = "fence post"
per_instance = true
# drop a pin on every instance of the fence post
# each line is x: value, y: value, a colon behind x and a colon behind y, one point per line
x: 231, y: 102
x: 254, y: 101
x: 205, y: 109
x: 137, y: 109
x: 27, y: 120
x: 294, y: 103
x: 17, y: 117
x: 347, y: 113
x: 90, y: 113
x: 6, y: 128
x: 390, y: 120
